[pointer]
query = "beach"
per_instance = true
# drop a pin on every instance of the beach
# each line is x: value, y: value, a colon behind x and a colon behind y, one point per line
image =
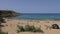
x: 12, y: 26
x: 29, y: 16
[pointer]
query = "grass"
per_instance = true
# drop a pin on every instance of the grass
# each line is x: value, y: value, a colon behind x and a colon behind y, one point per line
x: 28, y: 28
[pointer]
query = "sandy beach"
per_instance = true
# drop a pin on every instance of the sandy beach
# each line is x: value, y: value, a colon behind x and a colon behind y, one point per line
x: 12, y: 26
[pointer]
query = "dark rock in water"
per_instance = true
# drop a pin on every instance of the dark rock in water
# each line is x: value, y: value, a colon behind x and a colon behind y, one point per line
x: 55, y: 26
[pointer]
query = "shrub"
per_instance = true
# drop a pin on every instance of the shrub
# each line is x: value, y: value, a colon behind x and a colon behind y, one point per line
x: 29, y: 29
x: 3, y: 32
x: 2, y: 20
x: 38, y: 30
x: 21, y: 29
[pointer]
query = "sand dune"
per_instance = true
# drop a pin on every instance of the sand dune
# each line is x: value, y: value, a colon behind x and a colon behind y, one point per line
x: 12, y: 26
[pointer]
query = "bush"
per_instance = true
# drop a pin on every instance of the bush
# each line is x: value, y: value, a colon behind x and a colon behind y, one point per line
x: 29, y: 29
x: 38, y: 30
x: 21, y: 29
x: 2, y: 20
x: 3, y: 32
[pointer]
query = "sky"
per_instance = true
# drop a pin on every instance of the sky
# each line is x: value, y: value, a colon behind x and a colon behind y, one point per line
x: 31, y: 6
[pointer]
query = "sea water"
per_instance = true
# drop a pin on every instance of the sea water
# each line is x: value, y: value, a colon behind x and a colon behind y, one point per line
x: 39, y: 16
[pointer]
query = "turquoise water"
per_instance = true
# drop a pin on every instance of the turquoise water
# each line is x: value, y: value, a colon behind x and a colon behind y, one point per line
x: 40, y: 16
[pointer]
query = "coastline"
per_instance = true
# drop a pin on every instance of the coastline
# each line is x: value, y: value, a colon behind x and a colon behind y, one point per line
x: 31, y: 19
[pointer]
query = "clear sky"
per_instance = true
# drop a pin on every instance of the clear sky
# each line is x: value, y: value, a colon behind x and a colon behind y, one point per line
x: 31, y: 6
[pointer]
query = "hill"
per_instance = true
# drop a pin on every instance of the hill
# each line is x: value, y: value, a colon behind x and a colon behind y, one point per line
x: 8, y: 13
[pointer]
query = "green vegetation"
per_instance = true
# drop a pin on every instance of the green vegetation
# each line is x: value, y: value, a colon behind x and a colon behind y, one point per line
x: 28, y: 28
x: 6, y: 14
x: 3, y: 32
x: 2, y: 21
x: 20, y: 29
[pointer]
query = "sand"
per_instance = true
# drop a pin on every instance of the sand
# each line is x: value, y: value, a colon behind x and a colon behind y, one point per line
x: 12, y: 26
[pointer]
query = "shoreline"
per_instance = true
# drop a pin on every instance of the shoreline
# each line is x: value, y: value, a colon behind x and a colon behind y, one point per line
x: 32, y: 19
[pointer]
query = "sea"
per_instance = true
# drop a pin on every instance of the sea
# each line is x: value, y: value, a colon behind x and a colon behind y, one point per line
x: 39, y: 16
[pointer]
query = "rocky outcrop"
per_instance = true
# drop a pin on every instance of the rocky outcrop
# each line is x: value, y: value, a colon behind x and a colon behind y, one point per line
x: 8, y: 13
